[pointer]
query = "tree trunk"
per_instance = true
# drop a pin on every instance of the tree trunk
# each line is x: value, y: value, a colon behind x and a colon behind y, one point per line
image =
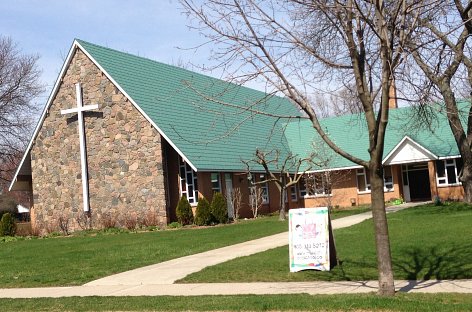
x: 384, y: 258
x: 282, y: 204
x: 466, y: 179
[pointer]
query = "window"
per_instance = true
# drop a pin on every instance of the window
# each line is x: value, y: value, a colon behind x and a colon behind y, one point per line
x: 293, y: 193
x: 264, y: 187
x: 447, y: 171
x: 388, y: 179
x: 188, y: 182
x: 215, y: 182
x: 363, y: 180
x: 315, y: 184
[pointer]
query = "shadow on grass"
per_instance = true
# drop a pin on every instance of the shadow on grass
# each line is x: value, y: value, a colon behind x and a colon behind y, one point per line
x: 434, y: 263
x: 415, y: 264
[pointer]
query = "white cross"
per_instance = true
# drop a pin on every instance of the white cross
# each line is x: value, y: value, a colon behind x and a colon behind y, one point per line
x: 83, y: 157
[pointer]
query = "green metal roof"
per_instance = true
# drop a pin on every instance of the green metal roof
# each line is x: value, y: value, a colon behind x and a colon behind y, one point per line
x: 216, y: 137
x: 350, y: 133
x: 211, y: 136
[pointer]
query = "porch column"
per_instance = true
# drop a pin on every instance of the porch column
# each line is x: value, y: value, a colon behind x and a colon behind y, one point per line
x: 432, y: 179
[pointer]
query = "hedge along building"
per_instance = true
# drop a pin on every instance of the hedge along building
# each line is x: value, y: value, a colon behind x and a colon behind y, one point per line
x: 152, y: 133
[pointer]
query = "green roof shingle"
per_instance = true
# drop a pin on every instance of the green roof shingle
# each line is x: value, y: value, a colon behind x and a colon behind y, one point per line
x: 212, y: 136
x: 188, y: 108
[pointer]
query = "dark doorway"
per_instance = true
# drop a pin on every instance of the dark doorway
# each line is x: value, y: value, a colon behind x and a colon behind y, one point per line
x: 419, y: 185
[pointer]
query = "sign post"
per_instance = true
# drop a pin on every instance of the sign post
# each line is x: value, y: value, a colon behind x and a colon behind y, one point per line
x: 310, y: 240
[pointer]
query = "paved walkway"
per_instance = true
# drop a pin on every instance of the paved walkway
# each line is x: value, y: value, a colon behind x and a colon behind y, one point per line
x: 170, y: 271
x: 313, y: 288
x: 158, y: 279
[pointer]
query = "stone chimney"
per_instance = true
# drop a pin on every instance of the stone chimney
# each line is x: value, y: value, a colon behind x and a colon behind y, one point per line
x: 392, y: 96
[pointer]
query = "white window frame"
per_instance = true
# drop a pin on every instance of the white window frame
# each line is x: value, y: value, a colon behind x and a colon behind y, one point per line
x: 263, y: 186
x: 324, y: 180
x: 265, y: 189
x: 215, y: 178
x: 186, y: 170
x: 361, y: 172
x: 444, y: 181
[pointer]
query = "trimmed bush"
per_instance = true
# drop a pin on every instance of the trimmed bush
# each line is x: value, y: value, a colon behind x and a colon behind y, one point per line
x: 203, y: 213
x: 7, y: 205
x: 7, y: 225
x: 219, y: 211
x: 184, y: 211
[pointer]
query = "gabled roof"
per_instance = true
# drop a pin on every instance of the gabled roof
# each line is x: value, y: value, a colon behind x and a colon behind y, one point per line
x: 350, y: 133
x: 186, y: 108
x: 213, y: 124
x: 408, y: 151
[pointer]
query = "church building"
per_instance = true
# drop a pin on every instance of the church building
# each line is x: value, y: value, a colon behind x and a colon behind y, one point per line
x: 125, y: 136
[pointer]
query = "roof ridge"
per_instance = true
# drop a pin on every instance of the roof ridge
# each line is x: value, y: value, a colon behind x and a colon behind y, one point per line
x: 192, y: 72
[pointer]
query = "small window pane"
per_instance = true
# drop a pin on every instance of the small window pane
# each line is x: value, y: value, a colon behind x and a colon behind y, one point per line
x: 361, y: 183
x: 440, y: 168
x: 215, y: 182
x: 459, y: 165
x: 451, y: 175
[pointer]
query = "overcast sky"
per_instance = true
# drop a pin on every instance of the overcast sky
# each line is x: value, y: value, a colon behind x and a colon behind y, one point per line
x: 151, y: 28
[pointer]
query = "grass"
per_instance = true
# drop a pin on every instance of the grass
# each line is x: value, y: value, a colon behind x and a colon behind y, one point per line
x: 75, y: 260
x: 427, y: 242
x: 83, y: 257
x: 301, y: 302
x: 349, y: 211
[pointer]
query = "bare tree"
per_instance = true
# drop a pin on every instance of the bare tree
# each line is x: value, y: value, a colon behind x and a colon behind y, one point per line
x: 19, y: 85
x: 341, y: 102
x: 284, y: 172
x: 236, y: 199
x: 442, y: 51
x: 255, y: 198
x: 302, y: 46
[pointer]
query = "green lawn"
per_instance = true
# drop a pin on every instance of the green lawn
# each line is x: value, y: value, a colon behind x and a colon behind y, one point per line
x: 428, y: 242
x: 355, y: 302
x: 76, y: 260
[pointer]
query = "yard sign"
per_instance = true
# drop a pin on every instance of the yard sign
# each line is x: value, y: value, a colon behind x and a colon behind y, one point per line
x: 309, y: 239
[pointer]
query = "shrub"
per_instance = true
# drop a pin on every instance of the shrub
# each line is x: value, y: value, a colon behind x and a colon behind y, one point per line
x: 184, y: 211
x: 107, y: 220
x: 63, y: 222
x: 7, y: 205
x: 7, y: 225
x: 218, y: 208
x: 174, y: 225
x: 203, y: 213
x: 129, y: 221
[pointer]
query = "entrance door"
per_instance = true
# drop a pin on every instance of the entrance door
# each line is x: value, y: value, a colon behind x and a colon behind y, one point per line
x: 229, y: 195
x: 417, y: 176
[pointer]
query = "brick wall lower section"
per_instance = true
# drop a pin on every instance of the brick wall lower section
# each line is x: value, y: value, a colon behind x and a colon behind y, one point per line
x: 124, y: 154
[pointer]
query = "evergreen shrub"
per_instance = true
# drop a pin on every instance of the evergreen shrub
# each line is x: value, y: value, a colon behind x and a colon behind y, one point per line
x: 203, y: 213
x: 219, y: 211
x: 7, y: 225
x: 184, y: 211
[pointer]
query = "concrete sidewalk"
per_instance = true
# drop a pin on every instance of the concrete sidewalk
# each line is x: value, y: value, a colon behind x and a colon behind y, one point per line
x: 158, y: 279
x: 312, y: 288
x: 170, y: 271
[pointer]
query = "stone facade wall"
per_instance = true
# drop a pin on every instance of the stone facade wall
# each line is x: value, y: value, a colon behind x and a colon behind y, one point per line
x: 124, y: 152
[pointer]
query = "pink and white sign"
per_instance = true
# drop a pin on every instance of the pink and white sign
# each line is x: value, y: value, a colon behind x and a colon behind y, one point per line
x: 309, y: 239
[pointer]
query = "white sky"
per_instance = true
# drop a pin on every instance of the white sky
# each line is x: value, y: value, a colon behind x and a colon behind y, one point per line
x: 155, y: 29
